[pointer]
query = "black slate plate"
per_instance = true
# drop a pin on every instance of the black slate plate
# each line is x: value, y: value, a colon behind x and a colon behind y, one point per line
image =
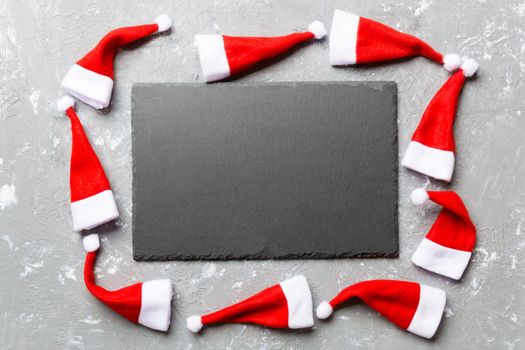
x: 265, y: 171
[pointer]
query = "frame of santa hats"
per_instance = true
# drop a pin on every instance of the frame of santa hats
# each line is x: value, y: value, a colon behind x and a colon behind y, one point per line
x: 354, y: 40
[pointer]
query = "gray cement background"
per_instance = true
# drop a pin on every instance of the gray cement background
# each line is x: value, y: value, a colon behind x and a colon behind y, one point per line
x: 43, y: 302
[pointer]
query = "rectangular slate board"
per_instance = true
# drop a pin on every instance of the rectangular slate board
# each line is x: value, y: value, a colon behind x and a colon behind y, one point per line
x: 264, y: 170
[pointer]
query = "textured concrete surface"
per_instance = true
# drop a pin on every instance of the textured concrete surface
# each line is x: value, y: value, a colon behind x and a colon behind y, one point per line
x: 43, y: 303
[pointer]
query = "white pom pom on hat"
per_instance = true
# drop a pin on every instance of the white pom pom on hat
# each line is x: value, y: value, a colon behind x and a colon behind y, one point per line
x: 419, y: 196
x: 91, y: 242
x: 318, y: 29
x: 469, y: 67
x: 194, y: 323
x: 65, y: 103
x: 451, y: 62
x: 324, y: 310
x: 164, y: 23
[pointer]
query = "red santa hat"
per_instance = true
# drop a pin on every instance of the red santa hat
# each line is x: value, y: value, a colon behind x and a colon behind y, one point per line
x: 356, y: 40
x: 147, y: 303
x: 411, y: 306
x: 284, y: 305
x: 448, y: 245
x: 92, y: 201
x: 91, y: 78
x: 221, y: 55
x: 431, y: 151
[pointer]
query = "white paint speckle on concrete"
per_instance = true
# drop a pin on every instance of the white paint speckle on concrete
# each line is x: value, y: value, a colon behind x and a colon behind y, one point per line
x: 8, y: 196
x: 237, y: 285
x: 9, y: 242
x: 30, y: 268
x: 34, y: 98
x: 115, y: 142
x: 67, y: 272
x: 422, y: 6
x: 91, y: 320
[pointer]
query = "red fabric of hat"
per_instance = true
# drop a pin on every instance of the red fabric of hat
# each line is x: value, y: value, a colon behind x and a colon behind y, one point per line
x: 358, y: 40
x: 449, y: 243
x: 411, y: 306
x: 284, y: 305
x: 91, y: 78
x: 431, y: 150
x: 222, y: 56
x: 146, y: 303
x: 92, y: 201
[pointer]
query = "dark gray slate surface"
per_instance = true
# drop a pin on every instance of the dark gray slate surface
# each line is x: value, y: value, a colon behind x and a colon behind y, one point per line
x: 258, y: 171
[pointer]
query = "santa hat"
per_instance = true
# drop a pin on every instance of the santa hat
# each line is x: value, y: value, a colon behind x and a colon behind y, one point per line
x: 356, y: 40
x: 409, y: 305
x: 147, y: 303
x: 91, y: 78
x: 92, y: 201
x: 221, y: 56
x: 285, y: 305
x: 448, y: 245
x: 431, y: 151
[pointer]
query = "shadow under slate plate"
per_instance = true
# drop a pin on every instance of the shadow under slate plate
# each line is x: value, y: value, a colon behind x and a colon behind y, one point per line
x: 265, y: 170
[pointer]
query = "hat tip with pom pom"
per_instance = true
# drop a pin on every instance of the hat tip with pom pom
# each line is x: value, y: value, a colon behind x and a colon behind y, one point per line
x: 318, y: 29
x: 194, y: 323
x: 324, y: 310
x: 419, y: 196
x: 91, y: 242
x: 163, y: 22
x: 451, y: 62
x: 469, y: 67
x: 65, y: 103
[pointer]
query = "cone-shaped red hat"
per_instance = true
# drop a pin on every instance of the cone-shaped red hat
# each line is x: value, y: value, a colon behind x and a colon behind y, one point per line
x: 147, y: 303
x: 284, y: 305
x: 448, y: 245
x: 92, y: 201
x: 91, y: 78
x: 356, y: 40
x: 222, y: 56
x: 431, y: 150
x: 409, y: 305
